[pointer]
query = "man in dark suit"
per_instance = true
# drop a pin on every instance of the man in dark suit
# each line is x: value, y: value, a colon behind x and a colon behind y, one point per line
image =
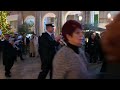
x: 47, y: 50
x: 8, y: 55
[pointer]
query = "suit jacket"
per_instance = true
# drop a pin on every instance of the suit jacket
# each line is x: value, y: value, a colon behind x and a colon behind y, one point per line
x: 0, y: 45
x: 47, y: 48
x: 8, y: 53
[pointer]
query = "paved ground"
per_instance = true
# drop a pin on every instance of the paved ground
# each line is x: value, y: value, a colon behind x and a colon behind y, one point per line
x: 27, y: 69
x: 30, y: 68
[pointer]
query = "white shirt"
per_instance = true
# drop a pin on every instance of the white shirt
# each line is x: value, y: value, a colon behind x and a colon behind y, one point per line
x: 49, y: 33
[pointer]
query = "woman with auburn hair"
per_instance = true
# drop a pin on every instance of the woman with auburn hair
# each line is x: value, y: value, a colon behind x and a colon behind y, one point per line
x: 111, y: 48
x: 68, y: 63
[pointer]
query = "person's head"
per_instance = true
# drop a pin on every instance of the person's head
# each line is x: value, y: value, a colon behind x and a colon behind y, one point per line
x: 11, y: 41
x: 32, y: 36
x: 94, y: 32
x: 50, y: 28
x: 93, y: 36
x: 72, y: 32
x: 6, y: 36
x: 97, y: 34
x: 111, y: 40
x: 15, y: 34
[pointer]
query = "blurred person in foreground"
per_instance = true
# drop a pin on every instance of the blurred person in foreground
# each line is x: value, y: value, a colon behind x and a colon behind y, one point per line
x: 111, y: 48
x: 67, y: 63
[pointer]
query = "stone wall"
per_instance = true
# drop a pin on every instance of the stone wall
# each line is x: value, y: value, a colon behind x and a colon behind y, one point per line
x: 60, y: 15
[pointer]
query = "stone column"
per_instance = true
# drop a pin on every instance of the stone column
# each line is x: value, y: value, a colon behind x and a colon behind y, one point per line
x: 41, y: 22
x: 88, y: 16
x: 20, y: 21
x: 63, y: 17
x: 40, y: 16
x: 37, y: 22
x: 83, y: 17
x: 92, y: 17
x: 59, y: 23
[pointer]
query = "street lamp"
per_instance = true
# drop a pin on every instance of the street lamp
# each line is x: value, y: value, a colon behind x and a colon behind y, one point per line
x: 80, y: 18
x: 109, y: 17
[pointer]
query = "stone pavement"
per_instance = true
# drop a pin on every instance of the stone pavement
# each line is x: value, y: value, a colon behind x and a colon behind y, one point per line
x: 27, y: 69
x: 30, y: 68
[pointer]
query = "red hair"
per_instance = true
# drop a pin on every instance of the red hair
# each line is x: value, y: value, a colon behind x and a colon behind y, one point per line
x: 69, y: 28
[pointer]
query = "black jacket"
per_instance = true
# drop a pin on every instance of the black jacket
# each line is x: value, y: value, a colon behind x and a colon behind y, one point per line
x: 0, y: 45
x: 47, y: 48
x: 8, y: 53
x: 93, y: 46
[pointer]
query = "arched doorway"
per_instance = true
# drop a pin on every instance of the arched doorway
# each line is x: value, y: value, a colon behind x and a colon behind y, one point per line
x: 49, y: 18
x: 30, y: 20
x: 73, y: 15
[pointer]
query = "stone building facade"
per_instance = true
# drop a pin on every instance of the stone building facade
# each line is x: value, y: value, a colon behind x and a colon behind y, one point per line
x: 17, y: 17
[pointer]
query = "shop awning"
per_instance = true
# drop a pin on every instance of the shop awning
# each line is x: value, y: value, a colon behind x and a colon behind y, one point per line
x: 91, y: 27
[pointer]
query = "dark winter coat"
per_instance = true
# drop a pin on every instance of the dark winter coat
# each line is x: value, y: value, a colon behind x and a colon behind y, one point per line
x: 47, y: 48
x: 8, y: 53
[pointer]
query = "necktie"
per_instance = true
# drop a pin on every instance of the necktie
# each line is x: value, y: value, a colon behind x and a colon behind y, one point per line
x: 53, y: 36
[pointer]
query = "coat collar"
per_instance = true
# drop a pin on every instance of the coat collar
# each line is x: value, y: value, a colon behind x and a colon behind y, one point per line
x: 73, y: 47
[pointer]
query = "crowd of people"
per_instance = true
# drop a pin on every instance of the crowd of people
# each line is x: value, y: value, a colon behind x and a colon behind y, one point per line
x: 67, y: 56
x: 64, y: 56
x: 13, y: 47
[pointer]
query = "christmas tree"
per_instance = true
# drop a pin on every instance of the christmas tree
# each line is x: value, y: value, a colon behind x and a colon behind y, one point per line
x: 4, y: 26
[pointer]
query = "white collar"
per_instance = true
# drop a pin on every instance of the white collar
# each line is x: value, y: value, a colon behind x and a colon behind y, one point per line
x: 49, y: 33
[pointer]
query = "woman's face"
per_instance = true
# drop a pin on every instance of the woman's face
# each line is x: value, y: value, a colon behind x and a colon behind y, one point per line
x: 76, y: 37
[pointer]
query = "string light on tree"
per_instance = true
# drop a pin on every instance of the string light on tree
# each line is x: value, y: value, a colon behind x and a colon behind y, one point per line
x: 80, y: 18
x: 4, y: 26
x: 109, y: 16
